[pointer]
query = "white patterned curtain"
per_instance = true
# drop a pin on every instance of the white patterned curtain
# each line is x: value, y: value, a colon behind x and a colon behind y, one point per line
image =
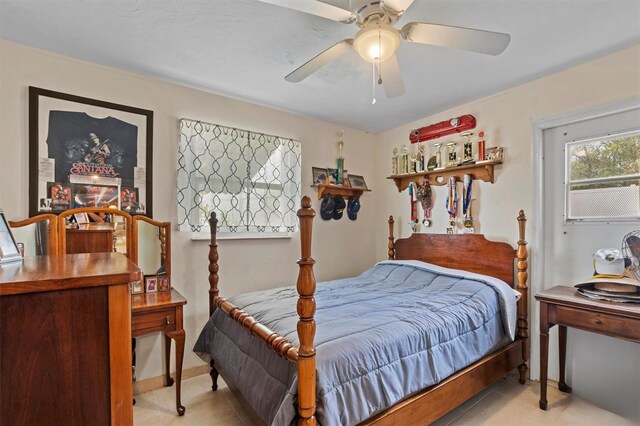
x: 251, y: 180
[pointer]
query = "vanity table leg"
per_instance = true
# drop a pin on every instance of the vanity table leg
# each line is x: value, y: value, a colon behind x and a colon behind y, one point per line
x: 178, y: 336
x: 562, y: 340
x: 168, y: 381
x: 544, y: 354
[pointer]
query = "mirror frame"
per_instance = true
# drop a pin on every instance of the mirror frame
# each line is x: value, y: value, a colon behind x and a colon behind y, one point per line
x: 53, y: 243
x: 165, y: 240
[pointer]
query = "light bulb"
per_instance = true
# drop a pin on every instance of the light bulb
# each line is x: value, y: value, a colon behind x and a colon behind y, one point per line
x: 376, y: 42
x: 374, y: 52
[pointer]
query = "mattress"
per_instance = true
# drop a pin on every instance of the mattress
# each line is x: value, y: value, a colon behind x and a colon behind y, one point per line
x: 382, y: 336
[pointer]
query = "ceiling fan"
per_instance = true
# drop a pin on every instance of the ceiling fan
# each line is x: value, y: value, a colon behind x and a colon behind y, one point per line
x: 377, y: 41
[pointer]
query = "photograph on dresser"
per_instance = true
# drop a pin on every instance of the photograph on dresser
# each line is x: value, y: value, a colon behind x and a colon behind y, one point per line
x: 150, y: 284
x: 137, y: 287
x: 164, y: 283
x: 83, y: 152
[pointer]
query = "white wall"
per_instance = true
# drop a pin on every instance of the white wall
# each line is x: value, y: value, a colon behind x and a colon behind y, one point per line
x: 507, y: 118
x: 341, y: 248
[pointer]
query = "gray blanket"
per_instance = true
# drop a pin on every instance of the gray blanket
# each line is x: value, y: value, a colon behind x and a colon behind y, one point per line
x: 381, y: 337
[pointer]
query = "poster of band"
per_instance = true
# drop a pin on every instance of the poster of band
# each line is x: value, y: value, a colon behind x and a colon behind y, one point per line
x: 91, y: 156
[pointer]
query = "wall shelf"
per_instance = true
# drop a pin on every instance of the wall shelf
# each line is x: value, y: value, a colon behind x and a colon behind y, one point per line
x: 439, y: 177
x: 345, y: 191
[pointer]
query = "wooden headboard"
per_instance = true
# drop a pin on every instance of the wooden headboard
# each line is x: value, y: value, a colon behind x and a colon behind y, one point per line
x: 470, y: 252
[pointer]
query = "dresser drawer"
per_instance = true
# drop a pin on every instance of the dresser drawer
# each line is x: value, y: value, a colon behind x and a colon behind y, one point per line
x: 623, y: 327
x: 162, y: 320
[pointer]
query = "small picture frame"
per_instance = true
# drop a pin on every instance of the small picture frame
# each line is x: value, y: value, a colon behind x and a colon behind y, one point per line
x: 357, y: 182
x: 137, y: 287
x: 81, y: 218
x: 495, y: 153
x: 9, y: 250
x: 319, y: 175
x: 333, y: 175
x: 151, y: 284
x: 164, y: 283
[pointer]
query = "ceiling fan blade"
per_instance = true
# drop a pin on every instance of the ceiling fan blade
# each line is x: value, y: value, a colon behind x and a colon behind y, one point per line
x: 398, y: 7
x: 487, y: 42
x: 317, y: 8
x: 391, y: 76
x: 319, y: 61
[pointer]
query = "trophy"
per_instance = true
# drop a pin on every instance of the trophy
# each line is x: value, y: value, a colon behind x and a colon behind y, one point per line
x: 404, y: 160
x: 394, y: 162
x: 453, y: 154
x: 340, y: 171
x: 467, y: 153
x: 413, y: 163
x: 438, y: 147
x: 420, y: 159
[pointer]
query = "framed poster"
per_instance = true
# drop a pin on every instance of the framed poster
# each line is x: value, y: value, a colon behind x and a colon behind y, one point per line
x: 82, y: 151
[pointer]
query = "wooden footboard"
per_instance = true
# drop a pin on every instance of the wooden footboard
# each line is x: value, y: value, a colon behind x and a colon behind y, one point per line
x: 469, y: 252
x: 305, y: 356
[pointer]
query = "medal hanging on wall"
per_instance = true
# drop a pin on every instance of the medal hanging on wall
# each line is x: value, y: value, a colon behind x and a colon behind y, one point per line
x: 452, y: 204
x: 425, y: 196
x: 467, y: 181
x: 414, y: 207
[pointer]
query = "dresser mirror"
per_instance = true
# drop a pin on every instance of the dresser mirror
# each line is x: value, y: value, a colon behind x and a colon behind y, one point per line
x: 38, y: 235
x: 152, y: 246
x: 93, y: 230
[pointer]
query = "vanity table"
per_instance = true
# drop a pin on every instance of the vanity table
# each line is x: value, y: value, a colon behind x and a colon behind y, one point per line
x: 162, y: 312
x: 158, y: 311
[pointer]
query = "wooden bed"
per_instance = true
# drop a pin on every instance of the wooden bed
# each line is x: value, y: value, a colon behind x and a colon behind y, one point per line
x: 471, y: 252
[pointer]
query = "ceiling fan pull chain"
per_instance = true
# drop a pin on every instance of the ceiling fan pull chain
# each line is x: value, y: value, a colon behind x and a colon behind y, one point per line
x: 379, y: 55
x: 373, y: 74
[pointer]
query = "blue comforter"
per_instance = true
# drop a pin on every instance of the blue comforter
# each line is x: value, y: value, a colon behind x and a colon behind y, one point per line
x: 381, y: 337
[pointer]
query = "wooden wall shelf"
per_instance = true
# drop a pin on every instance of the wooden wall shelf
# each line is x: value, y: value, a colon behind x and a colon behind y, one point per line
x: 439, y: 177
x: 345, y: 191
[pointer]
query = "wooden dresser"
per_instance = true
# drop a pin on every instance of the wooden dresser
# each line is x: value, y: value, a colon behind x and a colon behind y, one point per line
x: 91, y: 238
x: 65, y: 340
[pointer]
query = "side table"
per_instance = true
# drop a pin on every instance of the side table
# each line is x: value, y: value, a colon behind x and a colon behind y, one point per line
x: 562, y: 306
x: 162, y: 312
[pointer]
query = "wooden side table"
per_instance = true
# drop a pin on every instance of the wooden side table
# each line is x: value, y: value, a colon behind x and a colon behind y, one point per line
x: 162, y: 312
x: 562, y: 306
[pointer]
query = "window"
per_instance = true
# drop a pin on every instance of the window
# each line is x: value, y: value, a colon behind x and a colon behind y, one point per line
x: 603, y: 178
x: 251, y: 180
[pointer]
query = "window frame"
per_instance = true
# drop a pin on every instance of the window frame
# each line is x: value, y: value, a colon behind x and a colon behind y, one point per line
x: 568, y: 182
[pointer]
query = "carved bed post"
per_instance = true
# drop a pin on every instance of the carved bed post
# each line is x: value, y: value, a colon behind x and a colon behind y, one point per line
x: 523, y: 325
x: 306, y: 325
x: 392, y: 251
x: 213, y: 285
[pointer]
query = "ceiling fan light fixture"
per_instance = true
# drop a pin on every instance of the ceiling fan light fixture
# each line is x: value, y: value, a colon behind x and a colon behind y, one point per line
x: 377, y: 42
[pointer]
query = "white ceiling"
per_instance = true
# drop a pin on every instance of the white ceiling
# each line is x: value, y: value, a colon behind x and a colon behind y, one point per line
x: 244, y: 48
